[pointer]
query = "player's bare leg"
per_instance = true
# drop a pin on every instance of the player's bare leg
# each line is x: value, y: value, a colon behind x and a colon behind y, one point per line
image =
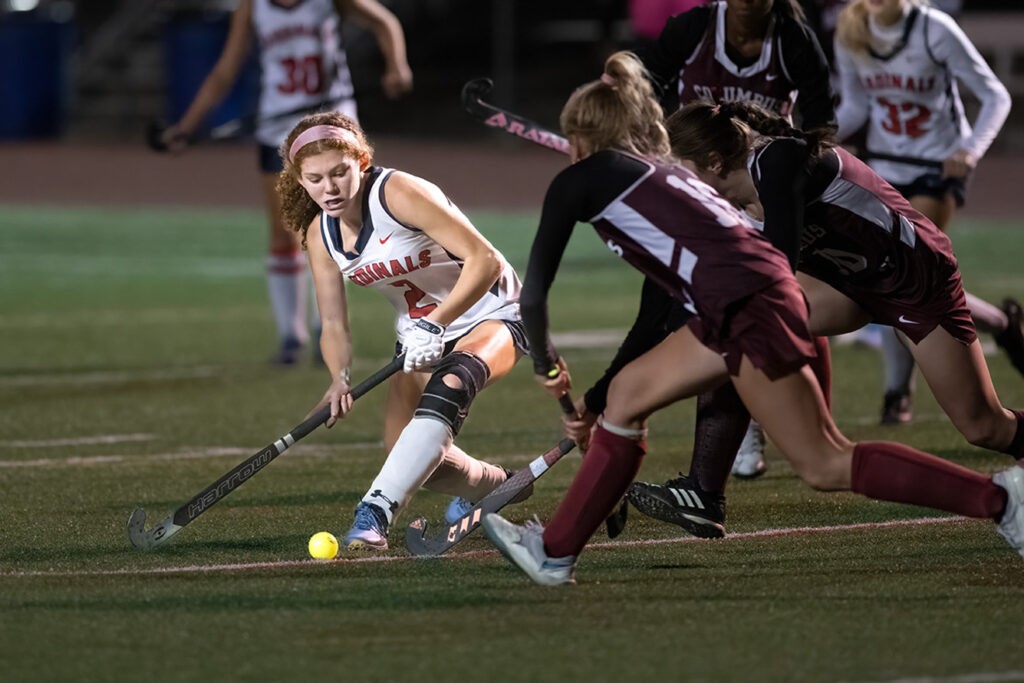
x: 679, y: 367
x: 792, y: 410
x: 459, y: 474
x: 831, y: 312
x: 959, y: 378
x: 425, y: 412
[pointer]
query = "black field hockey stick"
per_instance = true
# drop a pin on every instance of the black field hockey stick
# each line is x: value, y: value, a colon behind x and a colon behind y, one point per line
x: 235, y: 128
x: 146, y: 539
x: 914, y: 161
x: 473, y: 94
x: 416, y: 541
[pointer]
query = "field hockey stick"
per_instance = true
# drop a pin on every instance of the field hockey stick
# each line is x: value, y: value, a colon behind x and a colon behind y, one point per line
x: 473, y: 94
x: 146, y: 539
x: 234, y: 128
x: 419, y: 545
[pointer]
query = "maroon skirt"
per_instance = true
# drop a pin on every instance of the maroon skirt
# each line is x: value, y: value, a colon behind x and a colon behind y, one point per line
x: 769, y: 327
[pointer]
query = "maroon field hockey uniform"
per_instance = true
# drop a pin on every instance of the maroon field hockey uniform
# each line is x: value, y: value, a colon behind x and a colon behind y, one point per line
x: 692, y: 52
x: 862, y: 237
x: 675, y: 229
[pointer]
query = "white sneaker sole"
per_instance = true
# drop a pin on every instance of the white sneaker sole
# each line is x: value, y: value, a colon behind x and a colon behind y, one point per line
x: 506, y: 538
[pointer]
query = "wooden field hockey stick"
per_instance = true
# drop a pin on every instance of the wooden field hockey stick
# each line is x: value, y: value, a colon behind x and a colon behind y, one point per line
x: 416, y: 541
x: 146, y: 539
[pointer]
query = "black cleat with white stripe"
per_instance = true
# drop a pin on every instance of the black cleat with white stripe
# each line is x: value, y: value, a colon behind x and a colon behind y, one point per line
x: 680, y: 501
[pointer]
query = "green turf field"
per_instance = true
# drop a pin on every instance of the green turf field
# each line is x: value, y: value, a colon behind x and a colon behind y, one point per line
x: 134, y: 373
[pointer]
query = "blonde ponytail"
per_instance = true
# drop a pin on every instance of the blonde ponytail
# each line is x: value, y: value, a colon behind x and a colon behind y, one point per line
x: 618, y: 111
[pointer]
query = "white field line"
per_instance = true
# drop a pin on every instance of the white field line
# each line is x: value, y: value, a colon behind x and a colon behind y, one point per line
x: 765, y: 533
x: 112, y: 377
x: 305, y: 451
x: 589, y: 339
x: 79, y: 441
x: 988, y: 677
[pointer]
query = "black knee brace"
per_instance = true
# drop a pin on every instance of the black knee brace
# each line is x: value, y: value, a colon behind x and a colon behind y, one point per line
x: 442, y: 402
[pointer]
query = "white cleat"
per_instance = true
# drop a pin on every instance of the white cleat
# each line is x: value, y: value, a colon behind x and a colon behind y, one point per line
x: 1011, y: 526
x: 524, y: 547
x: 749, y: 462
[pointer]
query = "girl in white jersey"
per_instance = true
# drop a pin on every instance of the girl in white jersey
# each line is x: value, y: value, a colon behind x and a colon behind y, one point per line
x: 302, y: 69
x: 457, y: 301
x: 899, y: 63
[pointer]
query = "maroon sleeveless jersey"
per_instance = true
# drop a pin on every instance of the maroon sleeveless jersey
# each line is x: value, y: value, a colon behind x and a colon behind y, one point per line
x: 710, y: 74
x: 862, y: 231
x: 690, y: 241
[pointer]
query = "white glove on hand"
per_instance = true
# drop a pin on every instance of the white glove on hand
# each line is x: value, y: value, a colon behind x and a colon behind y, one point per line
x: 423, y: 346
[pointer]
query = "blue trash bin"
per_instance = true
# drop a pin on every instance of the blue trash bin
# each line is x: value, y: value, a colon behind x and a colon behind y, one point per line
x: 35, y: 84
x: 192, y: 44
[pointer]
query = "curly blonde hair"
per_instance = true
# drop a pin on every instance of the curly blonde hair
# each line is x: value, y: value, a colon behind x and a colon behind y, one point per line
x: 297, y: 208
x: 618, y: 111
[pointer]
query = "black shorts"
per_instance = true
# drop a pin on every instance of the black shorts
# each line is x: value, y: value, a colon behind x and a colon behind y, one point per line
x: 270, y: 160
x: 932, y: 184
x: 515, y: 327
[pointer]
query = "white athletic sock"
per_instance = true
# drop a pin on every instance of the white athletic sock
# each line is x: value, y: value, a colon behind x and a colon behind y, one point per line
x: 314, y: 312
x: 987, y: 318
x: 898, y: 363
x: 417, y: 453
x: 286, y: 282
x: 462, y: 475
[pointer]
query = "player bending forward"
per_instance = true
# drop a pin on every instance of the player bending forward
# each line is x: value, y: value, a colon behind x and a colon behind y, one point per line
x: 749, y: 326
x: 458, y: 318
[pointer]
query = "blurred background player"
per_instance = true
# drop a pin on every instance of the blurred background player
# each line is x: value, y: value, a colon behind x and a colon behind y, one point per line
x: 456, y: 297
x: 751, y: 50
x: 749, y: 326
x: 862, y: 254
x: 303, y: 69
x: 899, y: 63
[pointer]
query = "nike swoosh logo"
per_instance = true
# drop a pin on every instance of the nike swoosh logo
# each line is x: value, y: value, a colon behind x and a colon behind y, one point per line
x: 909, y: 322
x: 770, y: 77
x: 382, y: 241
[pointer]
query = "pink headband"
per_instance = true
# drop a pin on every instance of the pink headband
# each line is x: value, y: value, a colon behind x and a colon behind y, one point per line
x: 321, y: 133
x: 607, y: 80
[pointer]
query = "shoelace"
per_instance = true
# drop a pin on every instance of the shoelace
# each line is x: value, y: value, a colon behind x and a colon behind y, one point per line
x: 366, y: 518
x: 534, y: 525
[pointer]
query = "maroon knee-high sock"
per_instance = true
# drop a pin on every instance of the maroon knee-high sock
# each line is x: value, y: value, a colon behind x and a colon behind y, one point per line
x: 608, y: 468
x: 822, y: 368
x: 891, y: 471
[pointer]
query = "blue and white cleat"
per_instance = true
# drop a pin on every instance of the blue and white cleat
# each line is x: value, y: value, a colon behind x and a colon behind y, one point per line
x: 457, y: 509
x: 524, y: 547
x: 1011, y: 526
x: 370, y: 529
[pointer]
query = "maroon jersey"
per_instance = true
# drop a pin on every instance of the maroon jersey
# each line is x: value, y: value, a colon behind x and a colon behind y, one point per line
x: 863, y: 238
x: 662, y: 220
x: 711, y: 74
x: 692, y: 242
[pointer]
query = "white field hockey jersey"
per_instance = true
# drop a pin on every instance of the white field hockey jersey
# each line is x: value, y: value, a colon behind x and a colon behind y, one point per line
x: 908, y: 94
x: 413, y: 271
x: 303, y: 66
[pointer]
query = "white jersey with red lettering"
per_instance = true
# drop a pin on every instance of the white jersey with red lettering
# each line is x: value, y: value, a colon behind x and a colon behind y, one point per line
x: 413, y: 271
x: 907, y: 94
x: 302, y: 64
